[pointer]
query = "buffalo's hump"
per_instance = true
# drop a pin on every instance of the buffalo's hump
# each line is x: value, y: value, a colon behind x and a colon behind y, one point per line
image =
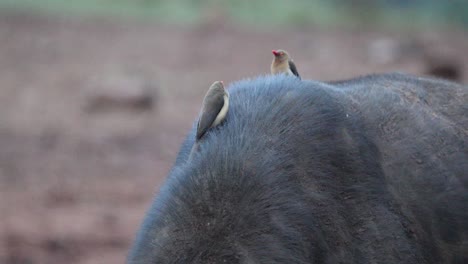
x: 369, y: 170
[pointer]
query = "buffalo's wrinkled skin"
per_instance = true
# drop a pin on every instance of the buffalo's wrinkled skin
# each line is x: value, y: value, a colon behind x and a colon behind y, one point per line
x: 370, y: 170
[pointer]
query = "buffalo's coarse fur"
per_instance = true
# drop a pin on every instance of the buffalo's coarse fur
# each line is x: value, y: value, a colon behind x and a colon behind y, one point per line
x: 370, y: 170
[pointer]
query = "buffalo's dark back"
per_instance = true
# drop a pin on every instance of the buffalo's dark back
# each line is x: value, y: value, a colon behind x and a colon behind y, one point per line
x: 370, y: 170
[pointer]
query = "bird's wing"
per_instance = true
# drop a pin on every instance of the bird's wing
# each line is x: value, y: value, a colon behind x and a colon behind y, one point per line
x: 293, y: 69
x: 211, y: 108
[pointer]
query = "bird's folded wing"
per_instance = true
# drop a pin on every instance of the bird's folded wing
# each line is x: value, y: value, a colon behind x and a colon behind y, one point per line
x: 293, y: 68
x: 210, y: 111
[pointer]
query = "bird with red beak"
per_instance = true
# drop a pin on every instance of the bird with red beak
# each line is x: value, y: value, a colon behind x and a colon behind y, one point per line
x: 214, y: 109
x: 282, y: 63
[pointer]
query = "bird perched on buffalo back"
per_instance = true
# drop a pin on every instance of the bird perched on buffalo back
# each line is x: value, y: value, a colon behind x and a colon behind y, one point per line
x: 282, y: 63
x: 214, y: 109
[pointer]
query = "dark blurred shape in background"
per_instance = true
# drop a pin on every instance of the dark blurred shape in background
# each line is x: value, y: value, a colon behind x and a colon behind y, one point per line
x: 97, y: 95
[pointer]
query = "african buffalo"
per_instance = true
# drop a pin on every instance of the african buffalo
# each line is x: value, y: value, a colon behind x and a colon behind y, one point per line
x: 368, y: 170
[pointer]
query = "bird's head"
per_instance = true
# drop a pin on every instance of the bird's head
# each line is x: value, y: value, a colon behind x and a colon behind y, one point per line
x: 280, y: 54
x: 217, y: 86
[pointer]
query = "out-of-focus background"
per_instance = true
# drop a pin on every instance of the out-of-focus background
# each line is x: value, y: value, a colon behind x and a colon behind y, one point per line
x: 97, y: 95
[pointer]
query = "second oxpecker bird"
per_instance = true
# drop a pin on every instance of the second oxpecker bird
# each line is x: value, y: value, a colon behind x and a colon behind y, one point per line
x: 214, y: 109
x: 282, y: 63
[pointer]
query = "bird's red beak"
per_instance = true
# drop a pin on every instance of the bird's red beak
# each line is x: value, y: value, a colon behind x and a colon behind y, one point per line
x: 275, y: 52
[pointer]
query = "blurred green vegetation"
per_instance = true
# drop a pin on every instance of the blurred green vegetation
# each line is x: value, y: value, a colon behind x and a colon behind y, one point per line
x: 391, y: 13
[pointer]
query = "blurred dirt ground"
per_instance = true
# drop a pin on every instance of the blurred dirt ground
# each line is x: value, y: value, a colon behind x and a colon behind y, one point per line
x: 92, y: 113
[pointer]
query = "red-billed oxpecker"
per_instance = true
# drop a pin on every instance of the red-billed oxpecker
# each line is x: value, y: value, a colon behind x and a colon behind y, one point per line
x: 214, y: 109
x: 282, y: 63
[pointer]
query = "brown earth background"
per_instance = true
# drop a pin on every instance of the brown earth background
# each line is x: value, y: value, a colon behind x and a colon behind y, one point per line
x: 92, y: 112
